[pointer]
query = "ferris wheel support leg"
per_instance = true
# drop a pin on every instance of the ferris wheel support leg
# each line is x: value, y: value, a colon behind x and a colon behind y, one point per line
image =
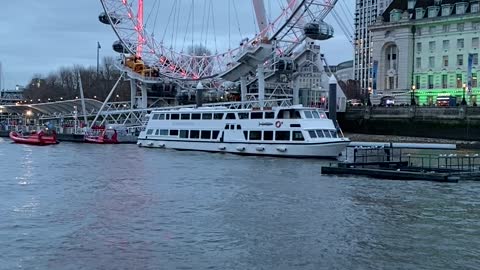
x: 144, y: 102
x: 243, y: 88
x: 261, y: 85
x: 296, y: 92
x: 107, y: 99
x: 133, y: 93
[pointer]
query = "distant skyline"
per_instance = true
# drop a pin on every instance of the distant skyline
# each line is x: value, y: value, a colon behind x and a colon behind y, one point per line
x: 65, y: 33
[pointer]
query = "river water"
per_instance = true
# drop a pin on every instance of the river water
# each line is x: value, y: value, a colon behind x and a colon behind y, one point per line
x: 80, y: 206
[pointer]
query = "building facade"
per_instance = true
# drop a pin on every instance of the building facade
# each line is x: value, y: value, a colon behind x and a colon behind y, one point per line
x: 366, y: 13
x: 427, y: 49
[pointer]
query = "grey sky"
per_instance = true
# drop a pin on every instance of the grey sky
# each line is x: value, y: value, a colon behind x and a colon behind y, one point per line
x: 42, y: 36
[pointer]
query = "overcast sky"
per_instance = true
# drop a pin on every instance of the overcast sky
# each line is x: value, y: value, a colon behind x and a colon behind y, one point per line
x: 38, y: 37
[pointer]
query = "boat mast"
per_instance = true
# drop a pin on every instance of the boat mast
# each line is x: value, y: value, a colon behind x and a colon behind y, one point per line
x: 84, y: 111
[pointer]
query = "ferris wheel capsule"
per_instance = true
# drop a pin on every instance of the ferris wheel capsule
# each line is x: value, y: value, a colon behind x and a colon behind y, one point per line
x: 103, y: 18
x: 118, y: 47
x: 318, y: 31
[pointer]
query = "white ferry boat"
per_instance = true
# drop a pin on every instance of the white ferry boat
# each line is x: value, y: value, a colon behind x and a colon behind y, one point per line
x: 293, y: 131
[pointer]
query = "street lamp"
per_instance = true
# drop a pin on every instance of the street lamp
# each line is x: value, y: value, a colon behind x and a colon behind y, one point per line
x: 464, y: 102
x: 413, y: 102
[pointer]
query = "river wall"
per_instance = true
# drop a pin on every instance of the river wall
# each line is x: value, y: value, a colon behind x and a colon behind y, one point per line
x: 457, y: 123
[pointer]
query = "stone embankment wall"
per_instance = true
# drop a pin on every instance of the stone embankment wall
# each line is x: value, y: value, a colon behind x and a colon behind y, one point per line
x: 457, y: 123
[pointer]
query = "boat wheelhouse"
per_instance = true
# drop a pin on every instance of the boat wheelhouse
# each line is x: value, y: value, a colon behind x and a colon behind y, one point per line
x: 282, y: 131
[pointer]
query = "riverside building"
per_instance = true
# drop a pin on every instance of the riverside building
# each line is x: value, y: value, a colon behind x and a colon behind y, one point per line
x: 366, y: 13
x: 426, y: 50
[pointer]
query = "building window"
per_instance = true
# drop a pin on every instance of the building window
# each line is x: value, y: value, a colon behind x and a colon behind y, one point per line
x: 460, y: 27
x: 431, y: 62
x: 430, y: 81
x: 460, y: 60
x: 460, y: 43
x: 431, y: 45
x: 446, y: 44
x: 419, y: 31
x: 446, y: 28
x: 474, y: 81
x: 459, y: 81
x: 445, y: 60
x: 419, y: 47
x: 419, y: 62
x: 475, y: 7
x: 475, y: 59
x: 444, y: 81
x: 475, y: 42
x: 417, y: 82
x: 431, y: 30
x: 475, y: 25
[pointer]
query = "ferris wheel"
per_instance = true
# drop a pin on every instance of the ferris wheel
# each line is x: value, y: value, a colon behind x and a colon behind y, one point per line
x: 196, y: 40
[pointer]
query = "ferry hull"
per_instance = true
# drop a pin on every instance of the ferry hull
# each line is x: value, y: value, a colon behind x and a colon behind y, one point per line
x: 313, y: 150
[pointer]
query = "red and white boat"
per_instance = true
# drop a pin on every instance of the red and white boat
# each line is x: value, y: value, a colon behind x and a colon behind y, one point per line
x: 37, y: 138
x: 107, y: 136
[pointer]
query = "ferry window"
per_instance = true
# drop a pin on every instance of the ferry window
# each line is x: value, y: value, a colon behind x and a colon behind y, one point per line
x: 313, y: 134
x: 155, y: 116
x: 315, y: 114
x: 327, y: 134
x: 184, y: 134
x: 232, y: 126
x: 195, y: 116
x: 173, y: 132
x: 245, y: 134
x: 206, y: 134
x: 333, y: 133
x: 282, y: 135
x: 239, y: 127
x: 243, y: 115
x: 268, y: 135
x: 295, y: 125
x: 185, y: 116
x: 322, y: 115
x: 297, y: 136
x: 256, y: 115
x: 175, y: 116
x: 161, y: 117
x: 229, y: 116
x: 296, y: 115
x: 163, y: 132
x: 269, y: 115
x: 320, y: 134
x: 215, y: 134
x: 167, y: 116
x: 150, y: 132
x: 219, y: 116
x: 227, y: 126
x: 157, y: 132
x: 206, y: 116
x: 308, y: 114
x: 255, y: 135
x: 194, y: 134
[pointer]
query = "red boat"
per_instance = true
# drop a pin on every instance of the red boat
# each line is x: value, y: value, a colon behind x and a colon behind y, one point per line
x: 108, y: 136
x: 37, y: 138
